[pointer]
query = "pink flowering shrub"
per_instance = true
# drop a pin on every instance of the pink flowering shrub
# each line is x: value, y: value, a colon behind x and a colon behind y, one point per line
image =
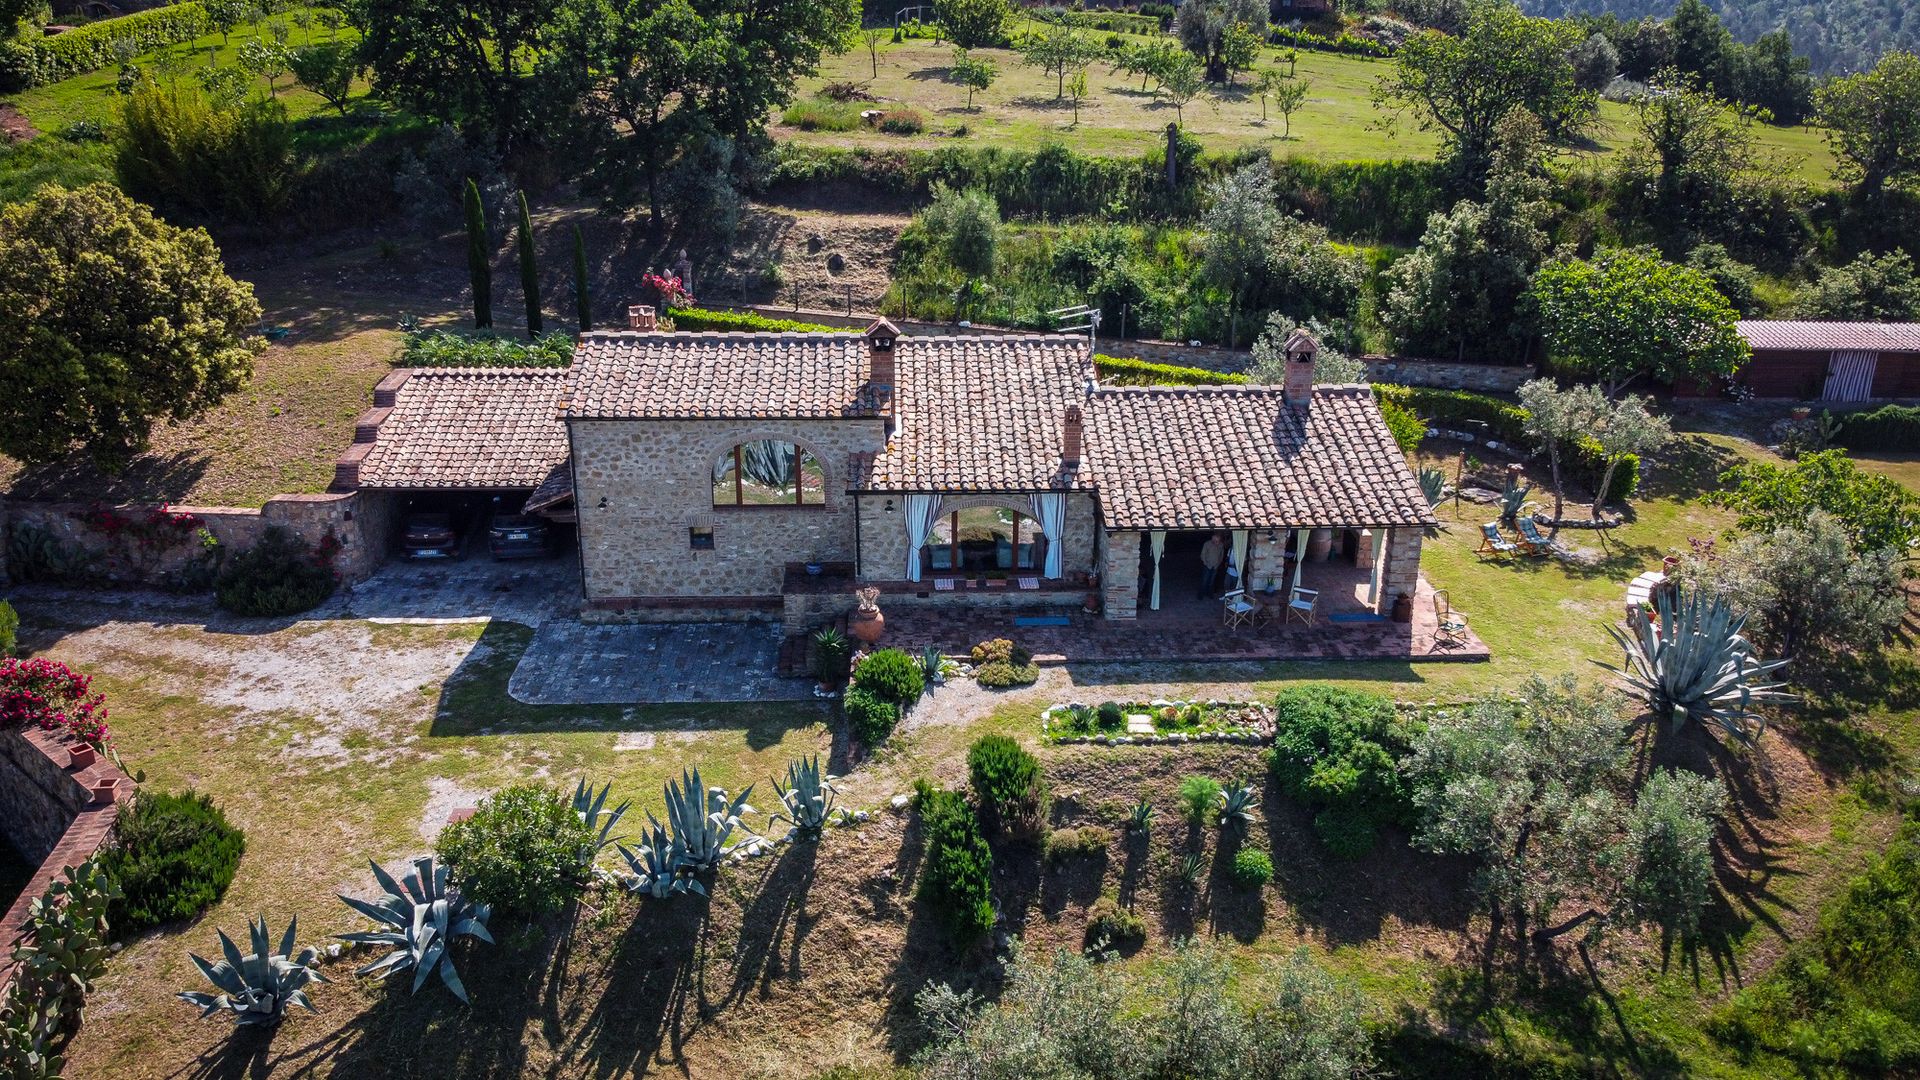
x: 53, y: 697
x: 137, y: 541
x: 669, y: 288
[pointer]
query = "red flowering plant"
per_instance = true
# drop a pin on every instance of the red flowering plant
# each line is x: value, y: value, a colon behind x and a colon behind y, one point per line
x: 669, y: 289
x: 53, y: 697
x: 138, y: 540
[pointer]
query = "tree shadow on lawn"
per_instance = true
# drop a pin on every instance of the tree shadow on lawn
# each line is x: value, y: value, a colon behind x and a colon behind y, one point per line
x: 774, y: 923
x: 928, y: 956
x: 1043, y: 104
x: 1686, y: 469
x: 1232, y: 909
x: 650, y: 996
x: 474, y: 701
x: 931, y: 74
x: 1351, y: 900
x: 1841, y: 696
x: 149, y: 478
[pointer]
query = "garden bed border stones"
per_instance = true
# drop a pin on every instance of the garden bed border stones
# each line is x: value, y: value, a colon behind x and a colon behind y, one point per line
x: 1259, y: 733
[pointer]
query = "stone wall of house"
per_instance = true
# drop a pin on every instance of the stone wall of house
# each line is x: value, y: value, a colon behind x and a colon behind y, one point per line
x: 1401, y: 572
x: 361, y: 521
x: 883, y: 536
x: 1120, y: 575
x: 657, y: 480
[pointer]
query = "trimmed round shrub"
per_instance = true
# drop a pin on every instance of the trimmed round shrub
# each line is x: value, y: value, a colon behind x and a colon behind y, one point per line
x: 1110, y: 717
x: 891, y: 675
x: 870, y: 719
x: 1001, y: 651
x: 1119, y: 928
x: 520, y: 851
x: 173, y: 857
x: 1252, y: 868
x: 1080, y: 842
x: 1339, y: 751
x: 1001, y: 675
x: 280, y: 575
x: 1006, y: 781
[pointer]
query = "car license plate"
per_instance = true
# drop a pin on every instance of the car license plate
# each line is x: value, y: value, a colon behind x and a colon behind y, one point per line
x: 517, y: 536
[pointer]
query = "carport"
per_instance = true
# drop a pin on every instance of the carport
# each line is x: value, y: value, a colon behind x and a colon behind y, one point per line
x: 468, y: 442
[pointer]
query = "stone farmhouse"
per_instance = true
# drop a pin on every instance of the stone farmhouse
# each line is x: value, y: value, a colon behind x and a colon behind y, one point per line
x: 764, y: 476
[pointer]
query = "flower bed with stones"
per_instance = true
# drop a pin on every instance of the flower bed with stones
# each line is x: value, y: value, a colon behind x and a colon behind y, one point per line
x: 1127, y: 723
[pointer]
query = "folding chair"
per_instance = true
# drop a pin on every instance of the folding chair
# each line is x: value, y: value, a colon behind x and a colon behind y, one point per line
x: 1237, y: 608
x: 1301, y: 605
x: 1492, y: 543
x: 1531, y: 541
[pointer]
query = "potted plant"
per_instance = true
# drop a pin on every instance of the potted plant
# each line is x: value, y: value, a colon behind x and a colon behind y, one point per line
x: 866, y: 623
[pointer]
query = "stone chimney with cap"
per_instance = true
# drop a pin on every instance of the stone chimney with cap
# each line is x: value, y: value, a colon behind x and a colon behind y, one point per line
x: 642, y: 317
x: 1070, y: 435
x: 881, y: 337
x: 1297, y: 386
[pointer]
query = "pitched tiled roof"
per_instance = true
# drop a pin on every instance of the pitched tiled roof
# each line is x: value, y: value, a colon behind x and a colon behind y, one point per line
x: 470, y: 428
x: 657, y: 376
x: 979, y: 413
x: 557, y: 488
x: 1831, y: 336
x: 1238, y: 457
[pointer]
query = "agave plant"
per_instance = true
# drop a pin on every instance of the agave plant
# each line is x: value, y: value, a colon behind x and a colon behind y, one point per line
x: 654, y: 870
x: 1690, y: 661
x: 1140, y: 818
x: 1237, y: 805
x: 1191, y: 867
x: 700, y: 819
x: 1433, y: 484
x: 808, y: 796
x: 257, y: 987
x: 591, y: 806
x: 426, y: 918
x: 930, y: 662
x: 1512, y: 499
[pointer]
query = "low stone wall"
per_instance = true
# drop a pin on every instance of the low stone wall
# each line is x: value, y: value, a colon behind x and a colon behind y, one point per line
x: 1446, y: 374
x: 48, y: 815
x: 359, y: 520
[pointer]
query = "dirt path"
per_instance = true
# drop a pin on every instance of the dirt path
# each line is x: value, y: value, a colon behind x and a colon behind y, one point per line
x: 14, y: 127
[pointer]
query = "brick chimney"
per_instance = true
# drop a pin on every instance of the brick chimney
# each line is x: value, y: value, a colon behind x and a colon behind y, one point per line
x: 1297, y: 387
x: 642, y: 317
x: 880, y: 368
x: 1070, y: 434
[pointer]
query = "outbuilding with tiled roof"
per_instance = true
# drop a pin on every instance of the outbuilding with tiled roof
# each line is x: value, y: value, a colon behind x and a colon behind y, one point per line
x: 1831, y: 361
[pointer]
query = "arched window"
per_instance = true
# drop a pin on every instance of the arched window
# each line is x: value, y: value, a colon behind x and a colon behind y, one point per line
x: 768, y: 472
x: 984, y: 538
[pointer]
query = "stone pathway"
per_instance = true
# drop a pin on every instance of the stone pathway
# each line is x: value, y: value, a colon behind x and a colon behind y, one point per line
x: 570, y: 663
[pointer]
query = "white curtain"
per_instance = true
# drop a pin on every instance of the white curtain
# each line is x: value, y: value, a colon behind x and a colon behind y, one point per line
x: 1299, y: 555
x: 923, y: 512
x: 1238, y: 561
x: 1050, y: 511
x: 1157, y: 543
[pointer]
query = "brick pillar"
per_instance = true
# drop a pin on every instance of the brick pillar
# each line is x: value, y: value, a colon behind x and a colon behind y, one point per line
x: 1120, y: 576
x: 1401, y: 574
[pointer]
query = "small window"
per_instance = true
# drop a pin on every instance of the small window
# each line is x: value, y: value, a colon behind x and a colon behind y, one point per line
x: 768, y: 472
x: 700, y: 537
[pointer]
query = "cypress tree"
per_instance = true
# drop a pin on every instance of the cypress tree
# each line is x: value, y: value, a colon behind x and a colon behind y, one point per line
x: 479, y: 258
x: 529, y: 274
x: 582, y: 300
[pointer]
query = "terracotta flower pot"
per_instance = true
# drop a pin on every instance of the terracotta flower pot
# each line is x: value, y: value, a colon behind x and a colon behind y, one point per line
x: 866, y: 626
x: 81, y: 755
x: 1403, y: 608
x: 103, y: 790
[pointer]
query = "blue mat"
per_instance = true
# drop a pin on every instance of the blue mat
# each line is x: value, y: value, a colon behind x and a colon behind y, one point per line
x: 1042, y: 620
x: 1356, y: 616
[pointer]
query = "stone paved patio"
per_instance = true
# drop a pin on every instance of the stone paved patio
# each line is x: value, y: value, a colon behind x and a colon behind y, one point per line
x: 570, y: 663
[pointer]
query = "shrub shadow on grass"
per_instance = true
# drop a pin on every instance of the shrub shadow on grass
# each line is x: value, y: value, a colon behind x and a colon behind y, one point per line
x: 928, y: 956
x: 775, y: 924
x: 1231, y: 909
x: 1504, y: 1018
x: 651, y: 994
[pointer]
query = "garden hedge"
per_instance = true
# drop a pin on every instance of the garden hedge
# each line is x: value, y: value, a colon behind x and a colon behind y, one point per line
x: 701, y: 319
x: 483, y: 348
x: 1128, y: 371
x: 1890, y: 427
x: 40, y: 61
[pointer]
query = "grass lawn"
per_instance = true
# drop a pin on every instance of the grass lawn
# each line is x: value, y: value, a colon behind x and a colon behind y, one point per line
x: 1339, y: 122
x: 814, y: 958
x: 92, y: 96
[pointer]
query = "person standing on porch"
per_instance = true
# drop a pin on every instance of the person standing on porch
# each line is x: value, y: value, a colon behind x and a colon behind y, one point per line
x: 1213, y: 555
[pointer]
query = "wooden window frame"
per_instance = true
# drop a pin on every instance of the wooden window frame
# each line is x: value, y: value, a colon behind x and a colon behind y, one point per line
x: 800, y: 454
x: 953, y: 545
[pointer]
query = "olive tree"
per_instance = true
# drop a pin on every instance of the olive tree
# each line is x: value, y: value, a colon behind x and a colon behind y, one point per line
x: 1804, y: 586
x: 966, y: 224
x: 111, y: 321
x: 1625, y: 427
x: 1556, y: 416
x: 1235, y: 231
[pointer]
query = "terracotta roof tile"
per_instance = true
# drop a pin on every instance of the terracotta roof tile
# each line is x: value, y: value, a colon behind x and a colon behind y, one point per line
x: 470, y: 428
x: 629, y: 375
x: 979, y: 413
x: 1830, y: 336
x: 1238, y: 457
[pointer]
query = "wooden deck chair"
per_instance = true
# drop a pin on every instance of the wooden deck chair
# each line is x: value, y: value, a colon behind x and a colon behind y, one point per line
x: 1449, y: 626
x: 1302, y: 605
x: 1237, y: 608
x: 1492, y: 543
x: 1531, y: 541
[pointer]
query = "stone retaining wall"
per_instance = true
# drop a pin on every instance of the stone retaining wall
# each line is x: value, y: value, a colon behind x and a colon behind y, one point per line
x: 47, y: 813
x: 359, y: 520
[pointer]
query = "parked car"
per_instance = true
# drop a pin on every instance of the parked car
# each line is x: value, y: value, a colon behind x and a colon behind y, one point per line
x: 518, y: 536
x: 430, y: 536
